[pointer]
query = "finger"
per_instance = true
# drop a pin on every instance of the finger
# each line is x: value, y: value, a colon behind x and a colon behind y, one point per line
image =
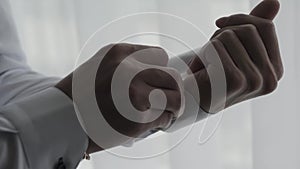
x: 235, y: 49
x: 267, y: 32
x: 243, y: 61
x: 139, y: 95
x: 203, y: 85
x: 267, y: 9
x: 150, y: 55
x: 230, y: 68
x: 146, y: 54
x: 163, y: 122
x: 173, y: 100
x: 254, y: 45
x: 143, y: 98
x: 162, y: 77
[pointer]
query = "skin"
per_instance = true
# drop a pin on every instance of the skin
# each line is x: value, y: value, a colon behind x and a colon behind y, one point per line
x: 140, y: 87
x: 248, y: 49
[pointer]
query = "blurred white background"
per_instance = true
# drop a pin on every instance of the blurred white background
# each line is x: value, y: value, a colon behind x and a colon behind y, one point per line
x: 262, y: 134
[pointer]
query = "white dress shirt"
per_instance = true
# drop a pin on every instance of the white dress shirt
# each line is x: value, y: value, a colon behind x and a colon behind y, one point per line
x: 38, y: 124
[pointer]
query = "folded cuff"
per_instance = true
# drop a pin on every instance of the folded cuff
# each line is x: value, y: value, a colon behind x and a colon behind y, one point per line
x: 48, y: 128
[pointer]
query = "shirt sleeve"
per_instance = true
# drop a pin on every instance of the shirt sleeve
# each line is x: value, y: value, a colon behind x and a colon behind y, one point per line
x: 40, y: 131
x: 38, y: 124
x: 9, y: 42
x: 193, y: 112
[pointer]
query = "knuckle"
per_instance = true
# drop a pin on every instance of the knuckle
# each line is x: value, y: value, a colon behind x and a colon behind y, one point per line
x: 255, y: 82
x: 110, y: 45
x: 216, y: 33
x: 228, y: 33
x: 108, y: 48
x: 137, y: 99
x: 268, y: 24
x: 165, y: 120
x: 117, y: 47
x: 215, y: 42
x: 270, y: 86
x: 160, y: 51
x: 238, y: 81
x: 249, y: 28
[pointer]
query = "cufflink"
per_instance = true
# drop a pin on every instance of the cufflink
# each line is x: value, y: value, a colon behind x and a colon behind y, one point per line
x: 86, y: 156
x: 60, y: 164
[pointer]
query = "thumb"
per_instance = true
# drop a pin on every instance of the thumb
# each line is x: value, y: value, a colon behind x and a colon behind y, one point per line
x: 267, y: 9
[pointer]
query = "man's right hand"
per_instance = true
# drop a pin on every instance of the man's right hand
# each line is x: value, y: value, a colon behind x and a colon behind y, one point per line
x: 156, y: 76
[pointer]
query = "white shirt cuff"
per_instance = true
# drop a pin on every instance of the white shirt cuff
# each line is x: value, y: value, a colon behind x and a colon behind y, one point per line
x: 48, y: 128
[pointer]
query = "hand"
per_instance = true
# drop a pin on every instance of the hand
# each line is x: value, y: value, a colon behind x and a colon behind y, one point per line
x: 248, y: 49
x: 156, y: 76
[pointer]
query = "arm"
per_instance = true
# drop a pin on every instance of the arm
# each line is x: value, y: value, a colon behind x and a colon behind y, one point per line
x: 36, y: 135
x: 15, y: 75
x: 116, y: 129
x: 248, y: 48
x: 38, y: 124
x: 9, y: 41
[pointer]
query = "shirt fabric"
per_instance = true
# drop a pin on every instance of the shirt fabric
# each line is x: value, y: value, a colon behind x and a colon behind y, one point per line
x: 38, y: 125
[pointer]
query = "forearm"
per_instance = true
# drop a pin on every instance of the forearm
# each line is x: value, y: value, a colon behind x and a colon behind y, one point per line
x: 66, y: 87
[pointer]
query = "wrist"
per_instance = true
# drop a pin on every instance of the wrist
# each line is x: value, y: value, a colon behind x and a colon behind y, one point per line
x: 93, y: 147
x: 65, y: 86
